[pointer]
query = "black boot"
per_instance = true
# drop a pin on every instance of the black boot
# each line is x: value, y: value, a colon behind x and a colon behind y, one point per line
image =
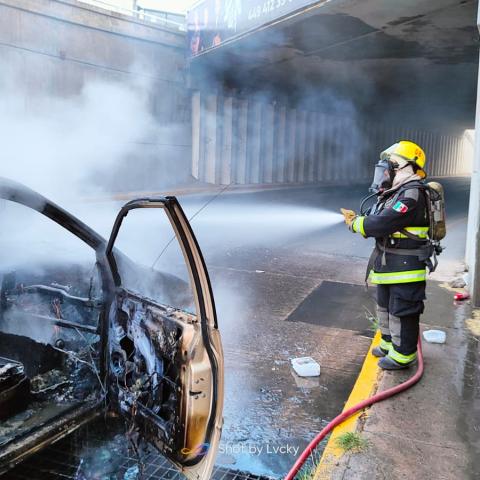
x: 388, y: 363
x: 384, y: 347
x: 379, y: 352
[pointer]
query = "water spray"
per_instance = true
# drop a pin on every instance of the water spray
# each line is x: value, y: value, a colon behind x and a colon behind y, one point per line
x: 205, y: 205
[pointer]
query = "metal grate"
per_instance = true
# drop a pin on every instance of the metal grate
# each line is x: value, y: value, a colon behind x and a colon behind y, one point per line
x: 61, y: 461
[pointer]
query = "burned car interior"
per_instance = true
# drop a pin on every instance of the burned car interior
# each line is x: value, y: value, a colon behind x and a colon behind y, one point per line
x: 49, y: 347
x: 85, y: 333
x: 50, y: 343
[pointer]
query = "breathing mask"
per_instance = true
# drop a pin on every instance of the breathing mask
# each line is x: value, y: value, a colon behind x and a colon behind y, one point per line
x: 383, y: 176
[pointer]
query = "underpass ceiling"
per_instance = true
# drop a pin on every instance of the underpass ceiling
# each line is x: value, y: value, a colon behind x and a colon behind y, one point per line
x: 417, y: 60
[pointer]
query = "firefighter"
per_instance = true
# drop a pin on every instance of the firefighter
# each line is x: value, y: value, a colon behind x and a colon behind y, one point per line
x: 399, y: 223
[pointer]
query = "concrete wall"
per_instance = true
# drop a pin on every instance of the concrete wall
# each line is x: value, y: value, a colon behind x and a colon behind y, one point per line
x: 247, y: 141
x: 472, y: 256
x: 59, y: 46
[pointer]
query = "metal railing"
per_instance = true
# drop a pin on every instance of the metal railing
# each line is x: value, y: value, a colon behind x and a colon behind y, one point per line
x: 159, y: 18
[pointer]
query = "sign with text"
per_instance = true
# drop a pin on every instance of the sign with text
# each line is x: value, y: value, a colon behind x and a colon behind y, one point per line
x: 211, y: 22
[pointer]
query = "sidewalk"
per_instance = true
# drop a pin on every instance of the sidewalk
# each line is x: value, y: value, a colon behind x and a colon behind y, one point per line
x: 431, y: 431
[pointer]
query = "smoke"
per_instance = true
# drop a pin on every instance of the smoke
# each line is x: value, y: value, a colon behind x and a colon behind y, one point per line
x: 266, y: 117
x: 31, y: 241
x: 18, y: 324
x: 344, y: 101
x: 251, y: 138
x: 67, y: 147
x: 78, y: 141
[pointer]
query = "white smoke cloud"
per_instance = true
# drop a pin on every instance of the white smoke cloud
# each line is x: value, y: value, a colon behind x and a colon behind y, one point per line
x: 69, y: 146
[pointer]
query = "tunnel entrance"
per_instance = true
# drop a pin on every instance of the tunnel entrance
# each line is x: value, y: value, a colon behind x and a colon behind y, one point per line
x: 313, y: 91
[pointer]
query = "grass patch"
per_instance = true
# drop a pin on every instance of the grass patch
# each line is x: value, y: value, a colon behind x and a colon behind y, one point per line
x: 308, y: 471
x: 352, y: 442
x: 306, y: 474
x: 372, y: 319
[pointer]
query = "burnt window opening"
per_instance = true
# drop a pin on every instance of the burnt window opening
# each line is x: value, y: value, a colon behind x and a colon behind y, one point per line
x: 51, y: 299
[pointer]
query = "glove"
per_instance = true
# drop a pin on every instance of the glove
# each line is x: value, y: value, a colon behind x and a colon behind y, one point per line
x: 349, y: 216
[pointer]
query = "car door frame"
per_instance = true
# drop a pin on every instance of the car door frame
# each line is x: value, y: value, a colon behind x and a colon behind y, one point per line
x: 203, y: 294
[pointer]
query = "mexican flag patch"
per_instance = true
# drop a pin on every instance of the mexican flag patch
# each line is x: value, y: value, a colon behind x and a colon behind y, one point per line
x: 400, y: 207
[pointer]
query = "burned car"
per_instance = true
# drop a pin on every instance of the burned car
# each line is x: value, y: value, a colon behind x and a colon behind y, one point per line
x: 85, y: 328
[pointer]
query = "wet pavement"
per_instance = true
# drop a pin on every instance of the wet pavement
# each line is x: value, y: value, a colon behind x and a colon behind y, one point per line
x: 436, y: 424
x: 288, y: 282
x: 262, y: 282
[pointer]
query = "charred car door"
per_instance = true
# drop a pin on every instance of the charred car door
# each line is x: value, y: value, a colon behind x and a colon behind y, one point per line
x: 165, y: 361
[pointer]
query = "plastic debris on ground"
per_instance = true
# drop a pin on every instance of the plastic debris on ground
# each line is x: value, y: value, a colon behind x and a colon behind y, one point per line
x: 461, y: 296
x: 305, y: 367
x: 434, y: 336
x: 132, y: 473
x: 458, y: 282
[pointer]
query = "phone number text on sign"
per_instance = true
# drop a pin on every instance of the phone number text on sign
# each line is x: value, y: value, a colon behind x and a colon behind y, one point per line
x: 268, y: 6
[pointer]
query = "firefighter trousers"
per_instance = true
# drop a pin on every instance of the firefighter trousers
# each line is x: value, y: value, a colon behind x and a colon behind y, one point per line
x: 399, y: 307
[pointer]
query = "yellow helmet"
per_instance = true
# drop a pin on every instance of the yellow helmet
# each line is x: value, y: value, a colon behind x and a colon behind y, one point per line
x: 410, y: 152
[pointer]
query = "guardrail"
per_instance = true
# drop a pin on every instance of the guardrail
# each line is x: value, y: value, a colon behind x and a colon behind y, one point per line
x: 159, y: 18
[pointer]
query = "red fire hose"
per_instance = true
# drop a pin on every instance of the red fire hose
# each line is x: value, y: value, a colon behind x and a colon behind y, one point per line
x: 359, y: 406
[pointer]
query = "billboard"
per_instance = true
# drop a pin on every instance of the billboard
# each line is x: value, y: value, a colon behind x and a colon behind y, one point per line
x: 211, y: 22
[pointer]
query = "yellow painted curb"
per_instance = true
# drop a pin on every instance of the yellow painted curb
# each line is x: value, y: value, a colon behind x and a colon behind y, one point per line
x: 364, y: 387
